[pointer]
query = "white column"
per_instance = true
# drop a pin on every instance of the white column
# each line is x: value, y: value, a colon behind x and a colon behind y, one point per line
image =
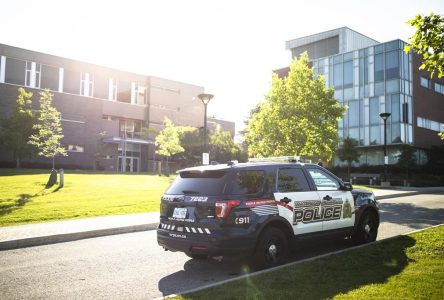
x: 61, y: 72
x: 2, y: 68
x: 32, y: 79
x: 133, y: 93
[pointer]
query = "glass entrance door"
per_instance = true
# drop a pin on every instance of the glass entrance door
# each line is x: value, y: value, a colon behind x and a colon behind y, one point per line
x: 128, y: 164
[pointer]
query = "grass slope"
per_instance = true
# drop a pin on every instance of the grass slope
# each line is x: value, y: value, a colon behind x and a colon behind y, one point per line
x: 407, y: 267
x: 24, y: 199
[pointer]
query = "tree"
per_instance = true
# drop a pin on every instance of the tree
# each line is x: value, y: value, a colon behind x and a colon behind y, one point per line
x: 191, y: 140
x: 441, y: 134
x: 428, y: 41
x: 406, y: 158
x: 348, y: 152
x: 222, y: 146
x: 100, y: 149
x: 17, y: 129
x: 298, y: 117
x: 168, y: 140
x: 48, y: 129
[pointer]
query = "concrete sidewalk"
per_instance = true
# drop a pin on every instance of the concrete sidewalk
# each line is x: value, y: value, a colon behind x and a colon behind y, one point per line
x: 13, y: 237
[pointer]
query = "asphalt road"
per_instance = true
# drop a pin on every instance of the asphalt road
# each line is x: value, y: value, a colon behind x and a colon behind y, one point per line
x: 133, y: 266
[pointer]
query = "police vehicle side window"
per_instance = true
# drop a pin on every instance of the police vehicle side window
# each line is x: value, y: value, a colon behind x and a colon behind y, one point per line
x: 248, y: 182
x: 292, y: 180
x: 323, y: 181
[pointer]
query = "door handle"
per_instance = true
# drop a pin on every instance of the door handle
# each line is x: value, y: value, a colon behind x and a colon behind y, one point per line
x: 285, y: 200
x: 328, y: 198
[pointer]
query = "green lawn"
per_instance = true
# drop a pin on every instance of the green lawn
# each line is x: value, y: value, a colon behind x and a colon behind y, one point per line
x: 24, y: 199
x: 407, y: 267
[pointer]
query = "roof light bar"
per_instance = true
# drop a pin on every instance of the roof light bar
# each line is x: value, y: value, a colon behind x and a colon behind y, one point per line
x: 295, y: 158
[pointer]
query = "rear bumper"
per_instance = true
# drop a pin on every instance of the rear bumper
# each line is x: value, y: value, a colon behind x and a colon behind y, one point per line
x: 211, y: 245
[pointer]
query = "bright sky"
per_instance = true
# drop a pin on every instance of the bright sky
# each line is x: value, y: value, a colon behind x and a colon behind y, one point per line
x: 230, y: 47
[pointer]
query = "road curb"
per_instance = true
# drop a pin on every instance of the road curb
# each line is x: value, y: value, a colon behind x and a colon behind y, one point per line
x: 67, y: 237
x: 398, y: 195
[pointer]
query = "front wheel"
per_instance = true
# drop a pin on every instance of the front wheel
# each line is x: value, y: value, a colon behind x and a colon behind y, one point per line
x: 272, y: 249
x: 367, y: 229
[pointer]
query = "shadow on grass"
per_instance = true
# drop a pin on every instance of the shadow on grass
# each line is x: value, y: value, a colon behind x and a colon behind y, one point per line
x: 324, y: 278
x: 17, y: 204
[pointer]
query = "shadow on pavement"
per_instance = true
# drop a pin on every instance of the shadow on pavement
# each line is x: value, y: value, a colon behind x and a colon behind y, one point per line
x: 410, y: 215
x: 320, y: 279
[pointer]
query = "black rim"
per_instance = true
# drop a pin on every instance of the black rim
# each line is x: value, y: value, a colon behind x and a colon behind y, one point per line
x: 368, y: 228
x: 273, y: 251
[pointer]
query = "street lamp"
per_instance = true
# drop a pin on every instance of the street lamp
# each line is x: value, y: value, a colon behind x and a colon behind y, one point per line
x: 205, y: 98
x: 385, y: 116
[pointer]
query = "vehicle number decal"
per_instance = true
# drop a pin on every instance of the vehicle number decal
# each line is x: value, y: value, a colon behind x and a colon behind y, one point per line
x: 242, y: 220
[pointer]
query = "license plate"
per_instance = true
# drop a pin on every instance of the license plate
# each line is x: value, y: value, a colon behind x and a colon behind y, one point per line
x: 180, y: 212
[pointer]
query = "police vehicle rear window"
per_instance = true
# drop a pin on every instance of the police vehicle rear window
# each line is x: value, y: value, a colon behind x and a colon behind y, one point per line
x: 248, y: 182
x: 209, y: 183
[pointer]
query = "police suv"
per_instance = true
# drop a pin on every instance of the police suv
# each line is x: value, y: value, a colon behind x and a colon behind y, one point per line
x: 261, y: 208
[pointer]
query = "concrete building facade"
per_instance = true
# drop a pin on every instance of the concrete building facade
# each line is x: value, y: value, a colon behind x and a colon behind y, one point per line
x: 104, y: 112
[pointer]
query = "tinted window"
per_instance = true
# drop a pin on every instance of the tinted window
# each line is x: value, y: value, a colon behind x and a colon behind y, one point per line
x: 248, y: 182
x: 323, y: 181
x: 124, y: 91
x: 15, y: 71
x: 209, y: 183
x: 50, y: 78
x: 71, y: 82
x: 292, y: 180
x: 101, y: 89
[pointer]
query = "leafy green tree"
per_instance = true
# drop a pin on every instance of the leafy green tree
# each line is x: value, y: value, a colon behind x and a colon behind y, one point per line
x: 222, y: 146
x: 168, y: 140
x: 441, y: 134
x: 17, y: 129
x: 48, y: 129
x: 298, y: 117
x: 428, y: 41
x: 191, y: 140
x: 406, y: 158
x: 348, y: 152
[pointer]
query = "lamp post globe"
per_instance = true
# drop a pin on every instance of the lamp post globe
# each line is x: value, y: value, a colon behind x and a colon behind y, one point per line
x: 384, y: 116
x: 205, y: 98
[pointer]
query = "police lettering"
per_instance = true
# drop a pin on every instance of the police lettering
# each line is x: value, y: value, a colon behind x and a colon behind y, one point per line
x: 317, y: 214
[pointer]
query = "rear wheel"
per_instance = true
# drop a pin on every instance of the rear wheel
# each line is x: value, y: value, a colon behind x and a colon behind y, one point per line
x: 367, y: 229
x: 272, y: 249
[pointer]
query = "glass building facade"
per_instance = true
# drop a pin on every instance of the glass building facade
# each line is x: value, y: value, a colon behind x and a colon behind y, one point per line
x: 370, y: 81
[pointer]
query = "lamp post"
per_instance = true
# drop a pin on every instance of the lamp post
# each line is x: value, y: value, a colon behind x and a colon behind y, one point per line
x: 205, y: 98
x: 385, y: 116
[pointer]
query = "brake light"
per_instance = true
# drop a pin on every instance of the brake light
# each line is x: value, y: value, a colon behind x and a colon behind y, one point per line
x: 223, y: 208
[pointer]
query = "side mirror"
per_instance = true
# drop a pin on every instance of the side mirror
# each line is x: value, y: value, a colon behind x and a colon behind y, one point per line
x: 347, y: 186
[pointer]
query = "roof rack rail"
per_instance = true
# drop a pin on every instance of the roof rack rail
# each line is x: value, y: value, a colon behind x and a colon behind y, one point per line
x: 276, y: 158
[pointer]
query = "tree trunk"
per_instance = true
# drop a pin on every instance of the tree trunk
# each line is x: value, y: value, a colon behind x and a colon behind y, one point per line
x: 53, y: 162
x: 348, y: 170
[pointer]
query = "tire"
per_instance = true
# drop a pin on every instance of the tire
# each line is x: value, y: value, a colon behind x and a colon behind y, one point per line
x: 271, y: 249
x: 197, y: 256
x: 367, y: 229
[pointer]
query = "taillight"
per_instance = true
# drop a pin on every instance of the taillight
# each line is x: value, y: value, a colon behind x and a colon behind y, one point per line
x: 223, y: 208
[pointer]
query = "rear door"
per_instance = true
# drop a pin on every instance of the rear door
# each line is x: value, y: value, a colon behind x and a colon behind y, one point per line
x: 296, y: 201
x: 337, y: 205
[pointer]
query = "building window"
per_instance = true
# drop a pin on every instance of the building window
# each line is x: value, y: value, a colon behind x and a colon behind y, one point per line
x: 348, y: 74
x: 87, y: 84
x: 379, y: 67
x: 74, y: 148
x: 439, y: 88
x: 337, y: 75
x: 101, y: 89
x: 124, y: 92
x: 353, y: 113
x: 374, y: 111
x: 71, y: 82
x: 391, y: 65
x: 49, y: 78
x: 425, y: 82
x: 430, y: 124
x: 15, y: 71
x: 112, y: 91
x: 32, y: 76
